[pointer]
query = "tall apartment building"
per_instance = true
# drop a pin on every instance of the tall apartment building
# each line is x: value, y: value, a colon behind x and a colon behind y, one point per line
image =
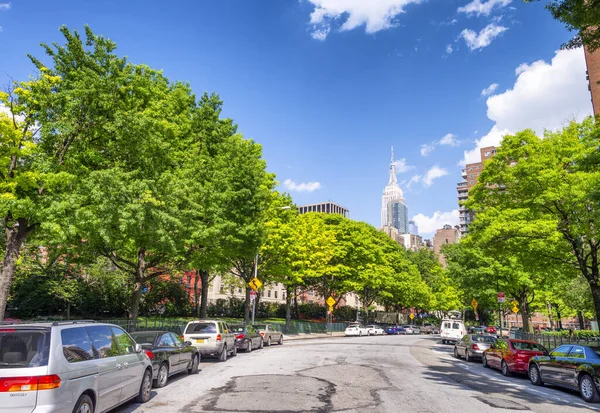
x: 394, y: 211
x: 593, y: 73
x: 413, y: 228
x: 470, y: 175
x: 445, y: 235
x: 325, y: 207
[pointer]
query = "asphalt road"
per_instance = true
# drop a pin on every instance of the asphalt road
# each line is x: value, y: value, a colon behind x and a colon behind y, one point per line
x: 367, y: 374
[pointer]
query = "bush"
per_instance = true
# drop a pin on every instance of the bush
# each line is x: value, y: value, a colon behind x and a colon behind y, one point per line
x: 344, y: 313
x: 311, y: 311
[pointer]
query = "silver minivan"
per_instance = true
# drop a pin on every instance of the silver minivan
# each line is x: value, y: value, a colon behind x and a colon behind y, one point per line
x: 211, y: 338
x: 74, y: 366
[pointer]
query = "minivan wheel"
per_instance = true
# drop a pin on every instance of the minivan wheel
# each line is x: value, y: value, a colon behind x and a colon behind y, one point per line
x: 195, y: 362
x: 84, y: 405
x: 269, y: 341
x: 280, y: 342
x: 223, y: 355
x: 443, y: 341
x: 505, y: 370
x: 588, y: 389
x: 163, y: 375
x: 145, y: 388
x: 234, y: 352
x: 484, y: 362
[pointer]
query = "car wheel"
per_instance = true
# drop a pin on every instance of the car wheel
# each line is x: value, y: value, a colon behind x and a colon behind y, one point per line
x: 84, y: 405
x: 280, y: 342
x: 360, y: 333
x: 588, y: 389
x: 223, y: 355
x: 195, y: 362
x: 504, y: 368
x: 234, y: 352
x: 467, y: 356
x: 249, y: 347
x: 443, y: 341
x: 262, y: 343
x: 268, y: 341
x: 162, y: 376
x: 456, y: 353
x: 535, y: 376
x: 145, y: 388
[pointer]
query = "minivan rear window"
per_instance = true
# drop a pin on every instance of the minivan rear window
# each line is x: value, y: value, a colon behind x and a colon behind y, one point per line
x: 24, y: 348
x: 76, y: 345
x: 203, y: 328
x: 455, y: 326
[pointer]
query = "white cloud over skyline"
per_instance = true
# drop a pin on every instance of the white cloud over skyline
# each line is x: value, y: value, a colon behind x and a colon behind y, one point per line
x: 477, y: 41
x: 482, y: 8
x: 427, y: 179
x: 450, y: 140
x: 374, y: 15
x: 490, y: 89
x: 301, y: 187
x: 402, y: 166
x: 426, y: 149
x: 5, y: 6
x: 546, y: 95
x: 428, y: 225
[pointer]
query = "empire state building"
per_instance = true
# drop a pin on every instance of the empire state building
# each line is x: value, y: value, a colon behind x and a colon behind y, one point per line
x: 394, y: 212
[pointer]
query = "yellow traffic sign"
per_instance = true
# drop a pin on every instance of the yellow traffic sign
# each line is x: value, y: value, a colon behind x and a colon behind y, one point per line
x: 330, y: 301
x: 255, y: 284
x: 474, y: 304
x: 330, y: 308
x: 515, y: 303
x: 515, y: 310
x: 411, y: 316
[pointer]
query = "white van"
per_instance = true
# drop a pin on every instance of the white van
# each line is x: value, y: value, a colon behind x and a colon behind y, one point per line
x: 452, y: 331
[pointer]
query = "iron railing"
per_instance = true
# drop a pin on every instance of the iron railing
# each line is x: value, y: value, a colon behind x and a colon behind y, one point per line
x: 551, y: 341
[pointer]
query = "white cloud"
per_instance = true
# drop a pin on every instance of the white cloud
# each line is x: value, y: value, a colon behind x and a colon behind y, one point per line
x: 449, y: 49
x: 428, y: 225
x: 302, y: 187
x: 401, y: 166
x: 432, y: 174
x: 413, y: 180
x: 449, y: 139
x: 426, y: 149
x: 490, y: 89
x: 544, y: 96
x: 479, y: 8
x: 375, y: 15
x: 484, y: 38
x: 5, y: 6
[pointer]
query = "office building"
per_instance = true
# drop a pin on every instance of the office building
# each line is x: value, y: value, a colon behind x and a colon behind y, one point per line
x: 394, y: 211
x: 413, y: 228
x: 412, y: 241
x: 470, y: 175
x: 325, y: 207
x: 592, y: 61
x: 445, y: 235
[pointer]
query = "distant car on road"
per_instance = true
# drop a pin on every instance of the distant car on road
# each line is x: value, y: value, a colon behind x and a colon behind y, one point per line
x: 247, y: 338
x: 512, y: 356
x: 429, y: 328
x: 211, y: 338
x: 269, y: 333
x: 375, y: 330
x: 168, y: 353
x: 571, y: 366
x: 472, y: 346
x: 356, y: 330
x: 409, y: 329
x: 477, y: 330
x: 491, y: 329
x: 395, y: 330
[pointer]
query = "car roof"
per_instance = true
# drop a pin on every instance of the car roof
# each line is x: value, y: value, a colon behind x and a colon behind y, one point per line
x: 149, y: 332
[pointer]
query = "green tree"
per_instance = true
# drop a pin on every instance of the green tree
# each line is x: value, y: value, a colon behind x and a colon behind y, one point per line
x: 581, y: 16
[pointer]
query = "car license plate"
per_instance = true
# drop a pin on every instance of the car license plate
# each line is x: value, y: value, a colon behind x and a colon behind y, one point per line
x: 199, y: 341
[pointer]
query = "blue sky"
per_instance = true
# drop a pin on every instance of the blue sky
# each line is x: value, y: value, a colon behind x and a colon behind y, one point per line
x: 328, y: 86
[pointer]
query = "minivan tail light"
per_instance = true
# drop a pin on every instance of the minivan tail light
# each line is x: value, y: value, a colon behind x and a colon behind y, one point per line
x: 475, y: 347
x: 218, y: 337
x: 262, y: 333
x: 31, y: 383
x: 149, y: 354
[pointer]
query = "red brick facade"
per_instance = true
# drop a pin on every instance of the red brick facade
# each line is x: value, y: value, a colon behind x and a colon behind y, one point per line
x: 593, y: 68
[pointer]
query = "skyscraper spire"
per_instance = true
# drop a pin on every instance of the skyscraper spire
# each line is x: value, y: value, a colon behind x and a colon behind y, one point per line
x: 393, y: 178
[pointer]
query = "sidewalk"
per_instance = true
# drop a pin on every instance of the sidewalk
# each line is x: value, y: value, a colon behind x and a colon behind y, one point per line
x: 312, y: 336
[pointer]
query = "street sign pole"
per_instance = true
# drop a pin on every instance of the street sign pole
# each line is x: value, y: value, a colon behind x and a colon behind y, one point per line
x: 255, y: 276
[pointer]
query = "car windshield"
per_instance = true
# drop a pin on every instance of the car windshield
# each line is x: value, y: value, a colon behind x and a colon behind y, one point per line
x: 238, y: 329
x: 206, y: 328
x: 144, y: 338
x: 24, y: 348
x: 482, y: 339
x: 519, y: 345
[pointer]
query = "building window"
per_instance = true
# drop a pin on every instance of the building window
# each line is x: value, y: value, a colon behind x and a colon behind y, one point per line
x: 239, y: 290
x: 269, y: 293
x: 311, y: 292
x: 275, y: 294
x: 283, y: 295
x: 221, y: 289
x: 472, y: 182
x: 189, y: 279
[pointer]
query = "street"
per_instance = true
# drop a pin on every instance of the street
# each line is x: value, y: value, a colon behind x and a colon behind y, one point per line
x: 357, y: 374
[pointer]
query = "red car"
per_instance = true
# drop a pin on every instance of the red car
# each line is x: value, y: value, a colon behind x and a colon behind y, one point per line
x: 512, y: 356
x: 491, y: 329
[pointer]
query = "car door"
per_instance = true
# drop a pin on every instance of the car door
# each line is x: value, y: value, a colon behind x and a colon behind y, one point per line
x: 110, y: 377
x: 186, y: 353
x: 568, y: 366
x: 551, y: 369
x: 131, y: 362
x: 229, y: 336
x: 166, y: 345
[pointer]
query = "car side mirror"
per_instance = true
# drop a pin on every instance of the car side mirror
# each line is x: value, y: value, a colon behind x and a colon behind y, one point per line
x: 138, y: 348
x: 187, y: 343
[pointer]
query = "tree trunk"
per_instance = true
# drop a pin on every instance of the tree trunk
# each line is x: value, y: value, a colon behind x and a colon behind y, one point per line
x: 296, y: 307
x: 197, y: 293
x: 595, y: 288
x: 204, y: 301
x: 559, y: 317
x: 257, y: 301
x: 288, y: 308
x: 136, y: 294
x: 247, y: 306
x: 525, y: 312
x: 14, y: 237
x: 68, y: 311
x: 581, y: 323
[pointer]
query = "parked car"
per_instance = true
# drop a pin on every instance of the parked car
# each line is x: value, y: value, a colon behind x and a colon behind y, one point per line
x: 472, y: 346
x: 74, y: 366
x: 571, y: 366
x: 408, y: 329
x: 452, y: 331
x: 247, y: 338
x: 416, y: 329
x: 375, y: 330
x: 211, y: 338
x: 491, y: 329
x: 395, y: 330
x: 269, y: 333
x: 356, y: 330
x: 429, y: 328
x: 477, y: 330
x: 512, y: 356
x: 168, y: 353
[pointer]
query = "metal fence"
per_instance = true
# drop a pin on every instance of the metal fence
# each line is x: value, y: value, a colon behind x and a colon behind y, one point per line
x: 551, y: 341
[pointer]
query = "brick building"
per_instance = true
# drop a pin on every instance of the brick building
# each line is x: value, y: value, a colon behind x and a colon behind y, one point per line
x: 593, y: 72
